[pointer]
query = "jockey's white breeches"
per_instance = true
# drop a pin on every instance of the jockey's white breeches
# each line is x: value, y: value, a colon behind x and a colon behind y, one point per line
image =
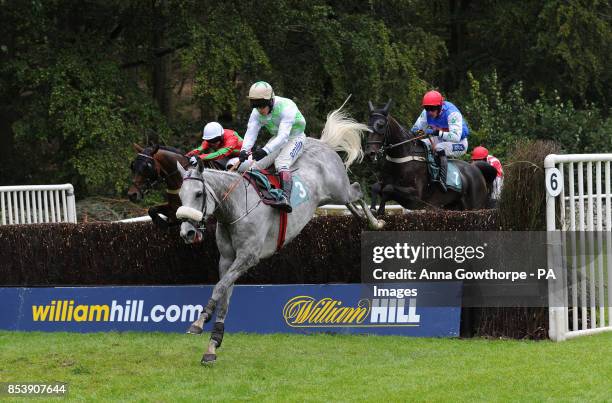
x: 290, y: 152
x: 497, y: 187
x: 451, y: 149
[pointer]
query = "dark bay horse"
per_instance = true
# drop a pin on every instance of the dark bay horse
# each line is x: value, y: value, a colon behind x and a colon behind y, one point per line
x: 153, y: 165
x: 404, y: 176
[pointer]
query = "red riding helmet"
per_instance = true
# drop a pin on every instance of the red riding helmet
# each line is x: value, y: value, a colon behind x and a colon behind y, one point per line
x: 433, y: 98
x: 480, y: 153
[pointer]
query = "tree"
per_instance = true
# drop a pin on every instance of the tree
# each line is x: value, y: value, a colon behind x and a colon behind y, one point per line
x: 499, y: 119
x: 70, y: 102
x: 549, y: 45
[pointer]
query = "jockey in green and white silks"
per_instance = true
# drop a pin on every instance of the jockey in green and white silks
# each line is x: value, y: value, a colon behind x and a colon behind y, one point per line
x: 286, y: 123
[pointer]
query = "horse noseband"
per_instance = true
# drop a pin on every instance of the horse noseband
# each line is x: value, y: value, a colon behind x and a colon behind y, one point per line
x: 189, y: 213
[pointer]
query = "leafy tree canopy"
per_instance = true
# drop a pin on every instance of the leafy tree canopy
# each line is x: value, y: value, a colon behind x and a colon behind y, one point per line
x: 81, y: 80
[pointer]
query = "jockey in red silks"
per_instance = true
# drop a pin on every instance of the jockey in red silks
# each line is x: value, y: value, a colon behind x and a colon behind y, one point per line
x: 221, y: 145
x: 482, y: 154
x: 442, y: 120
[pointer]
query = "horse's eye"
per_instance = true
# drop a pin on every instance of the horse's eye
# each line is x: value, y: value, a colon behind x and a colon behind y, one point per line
x: 199, y: 193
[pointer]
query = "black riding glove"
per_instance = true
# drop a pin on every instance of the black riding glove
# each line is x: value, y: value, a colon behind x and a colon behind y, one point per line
x: 244, y: 155
x: 259, y: 154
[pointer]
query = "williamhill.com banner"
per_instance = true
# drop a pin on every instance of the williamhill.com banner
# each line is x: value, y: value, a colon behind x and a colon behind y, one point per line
x: 338, y: 308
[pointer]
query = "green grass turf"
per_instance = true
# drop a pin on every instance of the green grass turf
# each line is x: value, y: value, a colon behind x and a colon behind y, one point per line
x: 166, y: 367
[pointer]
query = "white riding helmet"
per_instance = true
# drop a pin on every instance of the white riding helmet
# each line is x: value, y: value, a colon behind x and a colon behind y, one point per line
x: 261, y: 90
x: 212, y: 130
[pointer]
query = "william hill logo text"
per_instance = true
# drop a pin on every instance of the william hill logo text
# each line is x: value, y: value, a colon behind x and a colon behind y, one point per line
x: 306, y: 311
x: 130, y: 311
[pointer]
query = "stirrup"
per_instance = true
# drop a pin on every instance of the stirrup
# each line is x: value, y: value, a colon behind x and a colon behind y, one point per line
x: 441, y: 183
x: 283, y: 204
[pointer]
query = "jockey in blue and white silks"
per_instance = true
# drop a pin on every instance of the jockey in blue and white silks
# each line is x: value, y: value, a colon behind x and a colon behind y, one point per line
x: 286, y: 123
x: 443, y: 117
x: 443, y: 120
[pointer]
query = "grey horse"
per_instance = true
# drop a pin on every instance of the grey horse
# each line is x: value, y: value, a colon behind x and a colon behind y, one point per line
x: 247, y: 230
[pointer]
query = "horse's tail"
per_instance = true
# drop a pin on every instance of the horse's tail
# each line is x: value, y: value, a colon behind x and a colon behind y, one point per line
x: 488, y: 171
x: 343, y: 133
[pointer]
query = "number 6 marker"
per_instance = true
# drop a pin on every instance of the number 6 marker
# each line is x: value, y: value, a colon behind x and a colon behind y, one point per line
x: 554, y: 182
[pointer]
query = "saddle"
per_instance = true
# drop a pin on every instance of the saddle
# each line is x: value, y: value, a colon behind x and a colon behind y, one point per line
x: 453, y: 177
x: 267, y: 185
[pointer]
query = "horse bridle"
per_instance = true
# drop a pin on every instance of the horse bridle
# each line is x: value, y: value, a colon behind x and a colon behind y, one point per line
x: 150, y: 183
x: 384, y: 144
x: 207, y: 189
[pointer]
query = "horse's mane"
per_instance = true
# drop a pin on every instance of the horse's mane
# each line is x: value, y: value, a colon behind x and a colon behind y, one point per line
x: 402, y: 129
x: 398, y: 124
x: 218, y: 171
x: 172, y: 149
x: 167, y: 148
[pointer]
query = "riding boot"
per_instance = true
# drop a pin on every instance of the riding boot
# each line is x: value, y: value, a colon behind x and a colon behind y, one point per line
x: 286, y: 184
x: 443, y: 168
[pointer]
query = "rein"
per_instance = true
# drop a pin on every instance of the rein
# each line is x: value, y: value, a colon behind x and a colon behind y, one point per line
x: 385, y: 146
x: 405, y: 141
x: 233, y: 186
x: 218, y: 202
x: 237, y: 181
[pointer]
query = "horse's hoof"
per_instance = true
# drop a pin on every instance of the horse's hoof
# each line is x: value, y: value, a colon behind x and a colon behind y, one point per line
x: 193, y: 329
x: 208, y: 359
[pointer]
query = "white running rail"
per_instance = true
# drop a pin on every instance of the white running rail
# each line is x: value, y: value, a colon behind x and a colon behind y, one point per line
x: 37, y: 204
x: 582, y: 214
x: 328, y: 209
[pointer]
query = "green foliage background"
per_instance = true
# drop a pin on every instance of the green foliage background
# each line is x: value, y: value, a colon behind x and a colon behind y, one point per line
x: 80, y: 81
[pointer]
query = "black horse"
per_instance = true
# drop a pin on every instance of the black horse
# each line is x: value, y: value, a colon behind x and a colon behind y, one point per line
x: 405, y: 176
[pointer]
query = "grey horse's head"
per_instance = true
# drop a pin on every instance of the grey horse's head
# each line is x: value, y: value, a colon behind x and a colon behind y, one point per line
x: 197, y: 204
